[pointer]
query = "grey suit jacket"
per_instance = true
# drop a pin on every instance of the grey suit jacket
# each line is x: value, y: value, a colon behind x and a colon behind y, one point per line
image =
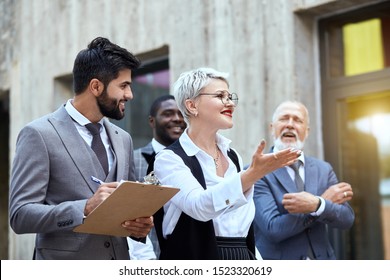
x: 280, y: 235
x: 51, y: 182
x: 141, y: 165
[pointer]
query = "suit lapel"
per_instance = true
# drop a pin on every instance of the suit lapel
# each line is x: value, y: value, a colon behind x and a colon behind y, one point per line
x: 75, y: 145
x: 311, y: 175
x: 285, y: 181
x: 117, y: 146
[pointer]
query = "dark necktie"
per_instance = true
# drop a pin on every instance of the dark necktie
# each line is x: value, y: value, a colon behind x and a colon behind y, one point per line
x: 97, y: 145
x: 298, y: 179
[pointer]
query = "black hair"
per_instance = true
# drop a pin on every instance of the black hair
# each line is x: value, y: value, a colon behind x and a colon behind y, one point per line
x: 157, y: 103
x: 101, y: 60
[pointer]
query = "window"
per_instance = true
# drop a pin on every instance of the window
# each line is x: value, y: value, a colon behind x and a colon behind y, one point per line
x: 358, y: 44
x: 63, y: 90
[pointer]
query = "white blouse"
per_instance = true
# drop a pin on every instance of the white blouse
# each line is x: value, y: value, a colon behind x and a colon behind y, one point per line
x: 223, y: 202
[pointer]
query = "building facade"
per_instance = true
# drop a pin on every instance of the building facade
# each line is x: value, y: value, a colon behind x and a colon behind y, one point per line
x: 273, y: 49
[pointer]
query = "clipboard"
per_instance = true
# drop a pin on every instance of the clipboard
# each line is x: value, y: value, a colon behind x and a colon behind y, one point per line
x: 129, y: 201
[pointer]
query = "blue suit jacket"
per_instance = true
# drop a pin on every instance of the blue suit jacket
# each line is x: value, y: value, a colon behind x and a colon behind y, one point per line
x: 280, y: 235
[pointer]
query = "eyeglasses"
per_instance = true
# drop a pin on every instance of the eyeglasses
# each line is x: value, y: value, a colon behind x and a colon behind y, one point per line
x: 225, y: 97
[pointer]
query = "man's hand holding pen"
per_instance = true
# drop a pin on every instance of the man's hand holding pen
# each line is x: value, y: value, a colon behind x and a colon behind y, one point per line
x: 104, y: 190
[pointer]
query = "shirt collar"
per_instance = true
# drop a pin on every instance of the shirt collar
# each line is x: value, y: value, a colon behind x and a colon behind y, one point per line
x: 157, y: 146
x: 76, y: 115
x: 191, y: 149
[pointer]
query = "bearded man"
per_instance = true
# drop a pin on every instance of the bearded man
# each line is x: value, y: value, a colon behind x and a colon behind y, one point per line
x: 295, y: 204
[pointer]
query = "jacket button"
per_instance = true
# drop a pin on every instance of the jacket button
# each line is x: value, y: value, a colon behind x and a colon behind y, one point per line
x: 107, y: 244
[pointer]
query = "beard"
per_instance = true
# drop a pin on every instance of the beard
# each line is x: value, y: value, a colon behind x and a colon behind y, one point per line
x: 164, y: 136
x: 109, y: 107
x: 298, y: 145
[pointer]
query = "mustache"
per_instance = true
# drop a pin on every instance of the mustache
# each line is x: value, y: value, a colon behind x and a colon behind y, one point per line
x: 298, y: 144
x: 289, y: 132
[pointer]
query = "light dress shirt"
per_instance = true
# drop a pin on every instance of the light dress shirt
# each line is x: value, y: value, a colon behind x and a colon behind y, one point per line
x: 157, y: 147
x: 140, y: 250
x: 223, y: 202
x: 80, y: 121
x: 301, y: 171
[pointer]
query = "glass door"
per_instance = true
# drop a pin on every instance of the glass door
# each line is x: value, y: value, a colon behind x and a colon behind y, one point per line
x: 355, y: 71
x: 365, y: 159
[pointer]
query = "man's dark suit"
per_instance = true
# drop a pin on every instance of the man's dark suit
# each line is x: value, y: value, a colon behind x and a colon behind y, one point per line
x: 280, y: 235
x: 51, y: 182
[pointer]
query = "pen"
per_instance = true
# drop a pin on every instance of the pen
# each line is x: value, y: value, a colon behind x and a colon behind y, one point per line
x: 96, y: 180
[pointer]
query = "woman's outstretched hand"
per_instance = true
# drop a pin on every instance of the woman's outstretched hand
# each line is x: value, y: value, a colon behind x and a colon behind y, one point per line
x: 262, y: 164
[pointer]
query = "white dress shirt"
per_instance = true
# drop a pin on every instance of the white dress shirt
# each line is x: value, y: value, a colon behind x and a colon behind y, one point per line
x: 141, y: 251
x: 223, y: 202
x: 157, y: 146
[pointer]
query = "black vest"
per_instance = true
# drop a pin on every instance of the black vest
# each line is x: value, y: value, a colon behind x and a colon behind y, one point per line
x: 192, y: 239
